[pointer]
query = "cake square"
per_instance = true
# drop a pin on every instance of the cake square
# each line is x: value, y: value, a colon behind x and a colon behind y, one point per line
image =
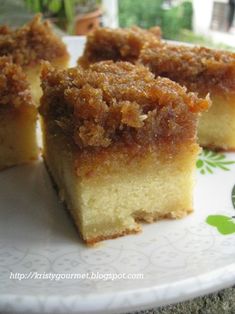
x: 18, y: 117
x: 120, y: 44
x: 31, y: 44
x: 201, y: 70
x: 205, y: 71
x: 120, y: 145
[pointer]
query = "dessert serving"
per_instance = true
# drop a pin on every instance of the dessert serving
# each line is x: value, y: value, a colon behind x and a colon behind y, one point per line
x: 204, y: 71
x: 31, y: 44
x: 120, y: 145
x: 121, y: 44
x: 17, y: 116
x: 200, y: 69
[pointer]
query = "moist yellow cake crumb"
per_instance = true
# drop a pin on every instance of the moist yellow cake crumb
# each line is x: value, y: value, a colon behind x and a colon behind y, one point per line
x: 120, y: 145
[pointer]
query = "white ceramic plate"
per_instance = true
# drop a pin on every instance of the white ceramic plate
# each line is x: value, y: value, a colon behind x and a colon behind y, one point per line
x: 178, y: 259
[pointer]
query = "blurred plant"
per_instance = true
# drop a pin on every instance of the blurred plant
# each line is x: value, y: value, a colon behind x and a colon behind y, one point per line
x: 176, y: 19
x: 86, y: 6
x: 62, y: 12
x: 149, y: 13
x: 190, y: 37
x: 59, y: 11
x: 142, y: 13
x: 187, y: 15
x: 13, y: 13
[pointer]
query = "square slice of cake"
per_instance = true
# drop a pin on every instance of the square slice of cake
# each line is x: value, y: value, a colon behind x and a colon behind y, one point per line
x: 31, y: 44
x: 120, y: 145
x: 121, y: 44
x: 205, y: 71
x: 18, y: 117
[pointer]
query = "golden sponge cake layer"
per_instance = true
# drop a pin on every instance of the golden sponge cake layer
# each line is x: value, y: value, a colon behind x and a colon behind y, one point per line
x: 18, y: 116
x: 111, y: 202
x: 18, y: 137
x: 120, y: 145
x: 216, y: 128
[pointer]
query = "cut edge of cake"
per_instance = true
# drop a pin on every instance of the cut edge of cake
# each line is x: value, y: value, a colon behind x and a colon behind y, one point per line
x: 114, y: 160
x: 109, y: 221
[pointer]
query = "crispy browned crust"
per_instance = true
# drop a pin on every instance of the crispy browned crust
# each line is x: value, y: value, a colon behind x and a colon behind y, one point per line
x: 151, y: 217
x: 14, y: 87
x: 121, y: 44
x: 139, y: 217
x: 31, y: 43
x: 92, y: 241
x: 200, y: 69
x: 111, y: 103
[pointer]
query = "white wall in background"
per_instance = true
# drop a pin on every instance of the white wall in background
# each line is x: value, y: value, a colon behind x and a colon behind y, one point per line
x: 110, y: 16
x: 202, y: 16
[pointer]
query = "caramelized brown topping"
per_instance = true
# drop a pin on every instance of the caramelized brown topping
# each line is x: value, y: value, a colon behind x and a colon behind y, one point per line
x: 198, y: 68
x: 117, y: 44
x: 14, y: 88
x: 33, y: 42
x: 118, y: 103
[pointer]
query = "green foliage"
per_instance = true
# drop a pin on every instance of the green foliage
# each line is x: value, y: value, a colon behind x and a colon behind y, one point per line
x: 149, y: 13
x: 190, y: 37
x: 14, y: 13
x: 61, y: 7
x: 142, y: 13
x: 62, y: 10
x: 52, y: 8
x: 187, y: 15
x: 85, y: 6
x: 172, y: 21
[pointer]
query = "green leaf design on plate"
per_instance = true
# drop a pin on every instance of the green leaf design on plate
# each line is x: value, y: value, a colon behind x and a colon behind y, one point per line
x: 224, y: 224
x: 208, y: 161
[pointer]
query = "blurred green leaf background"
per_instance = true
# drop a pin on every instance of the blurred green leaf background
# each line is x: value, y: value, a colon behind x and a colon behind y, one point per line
x: 175, y: 20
